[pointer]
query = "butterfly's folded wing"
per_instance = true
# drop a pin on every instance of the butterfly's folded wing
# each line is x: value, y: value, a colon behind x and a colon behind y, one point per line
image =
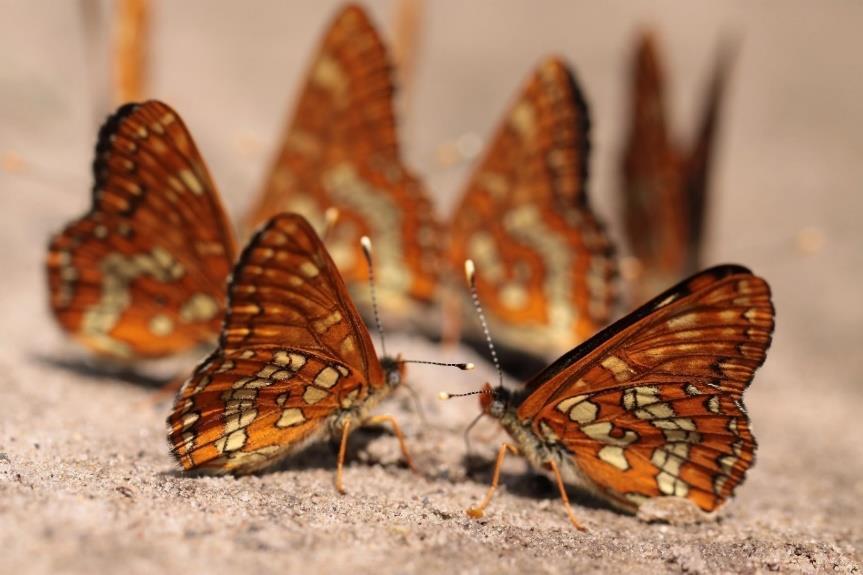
x: 698, y: 164
x: 654, y: 208
x: 142, y: 274
x: 341, y: 149
x: 546, y: 262
x: 293, y: 351
x: 652, y: 405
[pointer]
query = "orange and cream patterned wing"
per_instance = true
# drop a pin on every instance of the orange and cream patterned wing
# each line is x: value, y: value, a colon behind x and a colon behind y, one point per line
x: 142, y: 274
x: 293, y: 351
x: 525, y: 220
x: 341, y: 150
x: 653, y: 404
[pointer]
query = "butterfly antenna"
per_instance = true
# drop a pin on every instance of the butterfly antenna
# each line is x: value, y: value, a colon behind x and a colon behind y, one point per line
x: 367, y: 251
x: 462, y: 366
x: 470, y: 274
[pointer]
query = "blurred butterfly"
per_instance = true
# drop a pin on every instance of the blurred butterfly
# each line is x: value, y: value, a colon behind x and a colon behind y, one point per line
x: 525, y: 218
x: 294, y: 361
x: 665, y: 186
x: 651, y: 405
x: 142, y: 273
x: 340, y: 149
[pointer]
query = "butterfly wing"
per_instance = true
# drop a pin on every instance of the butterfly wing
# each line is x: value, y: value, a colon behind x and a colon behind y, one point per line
x: 652, y: 405
x: 698, y: 164
x: 142, y: 274
x: 341, y: 150
x: 525, y: 220
x: 293, y: 351
x: 654, y: 207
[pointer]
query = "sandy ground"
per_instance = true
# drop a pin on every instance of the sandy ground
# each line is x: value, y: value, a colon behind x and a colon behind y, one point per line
x: 86, y: 482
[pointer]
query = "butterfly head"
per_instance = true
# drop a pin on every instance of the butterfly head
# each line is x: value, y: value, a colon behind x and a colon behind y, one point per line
x: 493, y: 400
x: 394, y: 371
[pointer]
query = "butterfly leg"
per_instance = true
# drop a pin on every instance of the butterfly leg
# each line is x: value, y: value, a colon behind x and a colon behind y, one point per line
x: 343, y: 447
x: 565, y: 498
x: 379, y: 419
x: 477, y: 510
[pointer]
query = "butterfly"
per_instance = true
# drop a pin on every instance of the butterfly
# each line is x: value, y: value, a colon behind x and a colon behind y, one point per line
x: 340, y: 150
x: 525, y: 219
x: 651, y: 405
x: 664, y: 185
x: 142, y: 273
x: 294, y: 361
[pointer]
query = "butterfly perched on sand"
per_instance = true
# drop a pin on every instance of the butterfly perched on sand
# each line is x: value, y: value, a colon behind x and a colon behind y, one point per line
x: 142, y: 273
x: 340, y: 150
x: 664, y: 185
x: 294, y: 361
x: 653, y: 404
x: 525, y: 219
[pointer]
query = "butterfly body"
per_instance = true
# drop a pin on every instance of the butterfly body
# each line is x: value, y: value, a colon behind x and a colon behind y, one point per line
x: 652, y: 405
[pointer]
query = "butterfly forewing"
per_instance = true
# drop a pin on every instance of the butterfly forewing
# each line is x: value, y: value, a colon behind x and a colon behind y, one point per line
x: 526, y: 222
x: 340, y: 150
x: 652, y: 405
x: 293, y: 352
x: 142, y: 274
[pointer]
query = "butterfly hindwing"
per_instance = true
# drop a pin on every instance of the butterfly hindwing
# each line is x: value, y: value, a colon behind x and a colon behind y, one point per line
x: 340, y: 150
x: 525, y: 220
x: 293, y: 352
x: 652, y: 405
x: 142, y: 273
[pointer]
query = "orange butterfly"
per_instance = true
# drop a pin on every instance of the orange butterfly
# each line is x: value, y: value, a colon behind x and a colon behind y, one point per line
x: 295, y: 361
x: 665, y: 187
x: 526, y: 220
x: 340, y: 149
x: 653, y: 404
x: 142, y: 274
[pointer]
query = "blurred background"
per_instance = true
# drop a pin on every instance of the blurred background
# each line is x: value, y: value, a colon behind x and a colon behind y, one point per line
x: 786, y: 195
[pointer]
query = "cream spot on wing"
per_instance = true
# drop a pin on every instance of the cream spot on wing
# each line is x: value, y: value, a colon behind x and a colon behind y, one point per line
x: 655, y: 411
x: 347, y: 346
x: 523, y: 119
x: 615, y: 456
x: 189, y: 419
x: 580, y: 410
x: 513, y: 295
x: 199, y: 307
x: 291, y: 360
x: 683, y: 321
x: 313, y: 395
x: 691, y: 389
x: 161, y: 325
x: 328, y: 74
x: 618, y: 368
x: 290, y: 416
x: 309, y: 269
x: 640, y: 396
x: 322, y: 325
x: 231, y: 442
x: 713, y: 404
x: 226, y: 366
x: 327, y: 377
x: 191, y: 181
x: 601, y: 431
